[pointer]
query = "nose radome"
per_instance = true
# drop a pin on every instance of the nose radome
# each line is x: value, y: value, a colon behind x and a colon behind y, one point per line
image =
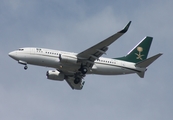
x: 12, y: 54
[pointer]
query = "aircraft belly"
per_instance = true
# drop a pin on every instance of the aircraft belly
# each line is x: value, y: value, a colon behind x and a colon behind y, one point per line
x: 70, y: 67
x: 42, y: 61
x: 53, y: 62
x: 103, y: 69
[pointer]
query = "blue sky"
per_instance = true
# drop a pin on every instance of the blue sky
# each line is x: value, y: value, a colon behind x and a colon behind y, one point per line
x: 75, y: 26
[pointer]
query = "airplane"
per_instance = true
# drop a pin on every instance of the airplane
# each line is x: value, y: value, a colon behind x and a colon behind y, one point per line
x: 73, y: 67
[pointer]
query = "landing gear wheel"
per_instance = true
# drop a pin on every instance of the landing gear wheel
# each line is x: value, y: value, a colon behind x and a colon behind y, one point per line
x: 84, y: 70
x: 77, y: 80
x: 26, y: 67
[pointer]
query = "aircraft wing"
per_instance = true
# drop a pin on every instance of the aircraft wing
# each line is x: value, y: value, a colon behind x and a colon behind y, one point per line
x: 78, y: 86
x: 88, y: 56
x: 70, y: 77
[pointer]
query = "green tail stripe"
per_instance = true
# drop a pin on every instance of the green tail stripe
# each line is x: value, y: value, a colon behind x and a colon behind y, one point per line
x: 139, y: 52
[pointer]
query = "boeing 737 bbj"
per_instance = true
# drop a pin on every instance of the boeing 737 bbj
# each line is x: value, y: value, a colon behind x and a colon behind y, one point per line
x: 73, y: 67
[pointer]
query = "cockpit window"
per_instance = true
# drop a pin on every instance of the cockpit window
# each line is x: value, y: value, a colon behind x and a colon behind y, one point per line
x: 20, y: 49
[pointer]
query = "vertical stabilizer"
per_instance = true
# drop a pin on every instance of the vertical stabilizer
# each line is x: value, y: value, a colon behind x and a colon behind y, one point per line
x: 139, y: 52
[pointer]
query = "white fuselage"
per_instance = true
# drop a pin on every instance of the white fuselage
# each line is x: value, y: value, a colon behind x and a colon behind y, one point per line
x: 50, y: 58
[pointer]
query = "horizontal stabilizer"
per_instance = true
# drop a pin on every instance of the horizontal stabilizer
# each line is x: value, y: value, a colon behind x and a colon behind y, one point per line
x: 145, y: 63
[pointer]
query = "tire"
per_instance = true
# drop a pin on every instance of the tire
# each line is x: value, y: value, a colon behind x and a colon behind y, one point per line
x: 26, y: 67
x: 77, y: 80
x: 84, y: 70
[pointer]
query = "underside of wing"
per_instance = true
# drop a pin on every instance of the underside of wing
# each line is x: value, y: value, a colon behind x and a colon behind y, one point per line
x: 74, y: 79
x: 86, y: 60
x: 88, y: 56
x: 72, y: 84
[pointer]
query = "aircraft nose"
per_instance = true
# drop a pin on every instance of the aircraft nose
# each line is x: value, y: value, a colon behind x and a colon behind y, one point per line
x: 12, y: 54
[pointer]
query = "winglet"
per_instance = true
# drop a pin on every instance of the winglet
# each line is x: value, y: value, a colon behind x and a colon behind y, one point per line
x: 126, y: 28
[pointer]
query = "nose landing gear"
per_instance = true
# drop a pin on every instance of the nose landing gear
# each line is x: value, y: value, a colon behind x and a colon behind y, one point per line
x: 23, y: 63
x: 26, y: 67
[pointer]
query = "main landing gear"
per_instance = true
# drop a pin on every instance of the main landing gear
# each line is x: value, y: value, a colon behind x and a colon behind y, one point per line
x: 79, y: 75
x: 77, y: 80
x: 83, y: 69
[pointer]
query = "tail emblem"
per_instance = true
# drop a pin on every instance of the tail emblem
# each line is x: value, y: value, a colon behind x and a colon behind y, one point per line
x: 139, y: 55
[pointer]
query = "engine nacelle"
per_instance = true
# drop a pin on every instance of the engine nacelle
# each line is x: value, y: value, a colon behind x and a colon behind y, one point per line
x: 68, y: 59
x: 55, y: 75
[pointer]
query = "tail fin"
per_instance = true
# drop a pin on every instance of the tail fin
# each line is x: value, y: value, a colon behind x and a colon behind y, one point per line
x: 139, y: 52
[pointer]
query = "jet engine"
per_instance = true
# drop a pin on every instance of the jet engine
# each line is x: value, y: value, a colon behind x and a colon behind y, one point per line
x: 68, y: 59
x: 55, y: 75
